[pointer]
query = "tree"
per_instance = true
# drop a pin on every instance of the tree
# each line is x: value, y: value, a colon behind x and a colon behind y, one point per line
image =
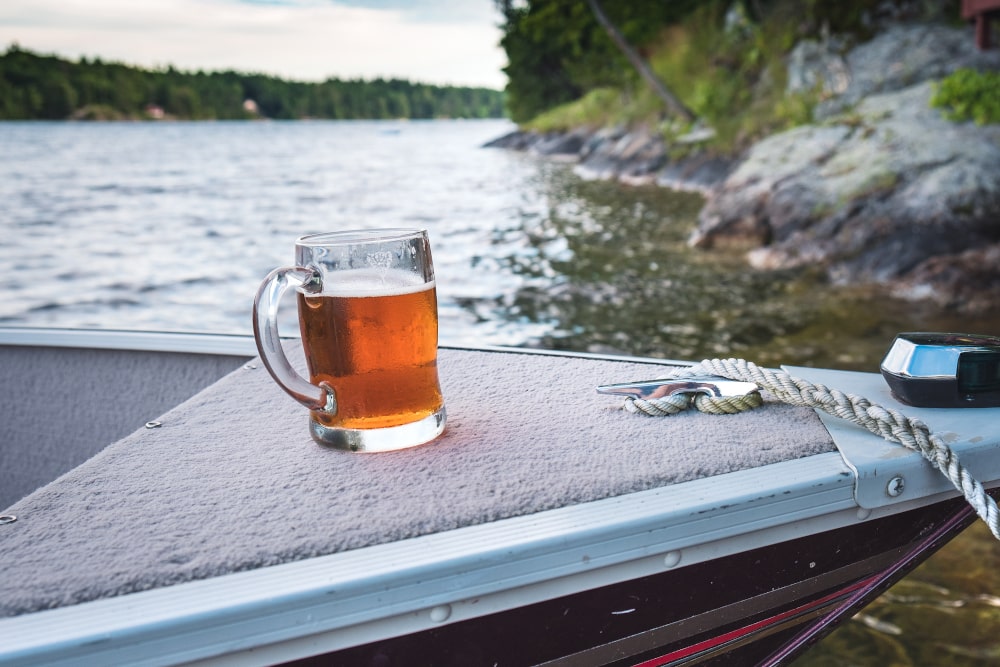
x: 557, y: 50
x: 661, y: 90
x: 34, y: 86
x: 537, y: 73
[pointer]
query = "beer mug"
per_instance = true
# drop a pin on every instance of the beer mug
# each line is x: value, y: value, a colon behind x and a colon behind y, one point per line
x: 368, y: 316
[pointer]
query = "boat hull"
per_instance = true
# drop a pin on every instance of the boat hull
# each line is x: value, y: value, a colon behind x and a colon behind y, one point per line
x: 761, y: 607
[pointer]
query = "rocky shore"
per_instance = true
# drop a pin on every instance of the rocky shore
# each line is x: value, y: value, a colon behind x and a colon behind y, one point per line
x: 880, y: 189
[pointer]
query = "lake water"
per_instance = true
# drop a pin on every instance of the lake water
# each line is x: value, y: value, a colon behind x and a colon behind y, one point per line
x: 171, y: 226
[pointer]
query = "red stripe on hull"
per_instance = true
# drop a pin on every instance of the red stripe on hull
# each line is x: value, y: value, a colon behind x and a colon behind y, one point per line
x: 746, y: 632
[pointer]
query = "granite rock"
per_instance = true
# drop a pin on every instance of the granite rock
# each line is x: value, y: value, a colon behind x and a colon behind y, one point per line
x: 870, y: 196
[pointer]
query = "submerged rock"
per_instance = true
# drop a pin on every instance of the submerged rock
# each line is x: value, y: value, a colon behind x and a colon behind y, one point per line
x: 967, y: 282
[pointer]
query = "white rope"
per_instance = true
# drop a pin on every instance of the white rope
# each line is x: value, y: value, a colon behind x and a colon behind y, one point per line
x: 887, y: 423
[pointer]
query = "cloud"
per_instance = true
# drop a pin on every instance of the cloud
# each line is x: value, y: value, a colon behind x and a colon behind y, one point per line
x: 433, y: 42
x: 438, y: 11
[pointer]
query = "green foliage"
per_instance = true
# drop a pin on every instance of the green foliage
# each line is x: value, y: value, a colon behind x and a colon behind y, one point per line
x: 724, y: 59
x: 731, y: 76
x: 599, y: 107
x: 35, y: 86
x: 556, y: 50
x: 969, y: 95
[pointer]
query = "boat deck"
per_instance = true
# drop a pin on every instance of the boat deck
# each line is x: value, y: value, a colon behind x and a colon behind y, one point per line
x: 231, y: 481
x: 224, y: 530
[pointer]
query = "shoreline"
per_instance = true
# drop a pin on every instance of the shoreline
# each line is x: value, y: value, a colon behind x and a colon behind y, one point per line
x: 881, y: 189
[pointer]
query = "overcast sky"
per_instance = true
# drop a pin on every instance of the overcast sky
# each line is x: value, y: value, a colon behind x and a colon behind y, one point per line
x: 431, y: 41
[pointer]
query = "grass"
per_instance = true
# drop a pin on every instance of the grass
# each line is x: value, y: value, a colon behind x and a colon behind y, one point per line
x: 598, y: 108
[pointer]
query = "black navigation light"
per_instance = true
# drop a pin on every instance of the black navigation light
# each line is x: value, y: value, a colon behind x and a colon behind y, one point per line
x: 944, y: 370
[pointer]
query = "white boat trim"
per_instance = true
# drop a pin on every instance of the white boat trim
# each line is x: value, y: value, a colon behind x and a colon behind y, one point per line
x: 157, y: 341
x: 228, y: 344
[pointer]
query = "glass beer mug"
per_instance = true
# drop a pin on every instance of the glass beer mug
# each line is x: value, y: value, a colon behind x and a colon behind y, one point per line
x: 368, y: 316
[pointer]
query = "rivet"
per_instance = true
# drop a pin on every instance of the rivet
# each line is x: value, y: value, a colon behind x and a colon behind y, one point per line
x: 250, y: 367
x: 864, y: 513
x: 441, y: 613
x: 895, y: 486
x: 154, y: 424
x: 672, y: 559
x: 7, y: 518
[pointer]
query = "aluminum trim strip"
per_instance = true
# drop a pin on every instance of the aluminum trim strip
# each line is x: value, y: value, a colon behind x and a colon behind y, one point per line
x: 231, y: 344
x: 330, y: 602
x: 156, y: 341
x: 971, y: 432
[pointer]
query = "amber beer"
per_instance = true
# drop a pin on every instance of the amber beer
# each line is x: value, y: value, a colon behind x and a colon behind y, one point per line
x: 368, y: 315
x: 372, y: 335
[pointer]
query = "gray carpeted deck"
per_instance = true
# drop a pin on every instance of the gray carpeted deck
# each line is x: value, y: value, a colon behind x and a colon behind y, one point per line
x: 60, y: 406
x: 232, y: 481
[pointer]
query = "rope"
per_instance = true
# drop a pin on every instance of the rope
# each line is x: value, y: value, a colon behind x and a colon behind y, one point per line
x: 671, y: 405
x: 887, y: 423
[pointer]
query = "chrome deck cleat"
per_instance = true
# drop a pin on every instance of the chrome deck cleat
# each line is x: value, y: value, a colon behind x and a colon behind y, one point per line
x: 712, y: 385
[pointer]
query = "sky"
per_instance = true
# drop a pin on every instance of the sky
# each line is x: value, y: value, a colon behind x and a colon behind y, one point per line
x: 444, y: 42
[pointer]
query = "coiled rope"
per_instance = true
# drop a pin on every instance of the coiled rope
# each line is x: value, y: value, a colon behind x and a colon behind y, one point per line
x: 888, y: 423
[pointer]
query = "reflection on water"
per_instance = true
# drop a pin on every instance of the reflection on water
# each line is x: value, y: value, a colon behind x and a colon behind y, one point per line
x: 172, y: 226
x: 945, y: 613
x: 611, y: 272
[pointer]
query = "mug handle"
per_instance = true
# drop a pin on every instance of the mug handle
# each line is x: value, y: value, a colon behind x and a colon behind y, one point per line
x: 265, y: 331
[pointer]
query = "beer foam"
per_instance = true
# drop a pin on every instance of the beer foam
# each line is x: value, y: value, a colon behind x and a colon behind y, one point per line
x: 374, y: 281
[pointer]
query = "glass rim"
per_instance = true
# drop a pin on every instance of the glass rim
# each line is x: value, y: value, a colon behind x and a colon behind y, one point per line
x: 349, y: 236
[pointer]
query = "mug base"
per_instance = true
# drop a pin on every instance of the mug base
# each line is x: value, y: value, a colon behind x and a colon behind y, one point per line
x: 380, y: 439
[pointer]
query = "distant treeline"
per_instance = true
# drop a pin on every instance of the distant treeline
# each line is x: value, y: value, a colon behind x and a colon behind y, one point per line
x: 34, y: 87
